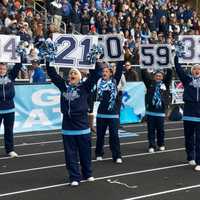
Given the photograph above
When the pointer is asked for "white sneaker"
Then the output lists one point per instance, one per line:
(99, 158)
(192, 162)
(74, 183)
(151, 150)
(162, 148)
(13, 154)
(197, 168)
(90, 179)
(119, 161)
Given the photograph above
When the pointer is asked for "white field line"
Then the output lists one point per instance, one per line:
(96, 179)
(145, 125)
(59, 132)
(60, 141)
(94, 137)
(93, 147)
(62, 165)
(164, 192)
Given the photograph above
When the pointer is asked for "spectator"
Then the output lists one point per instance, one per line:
(76, 18)
(24, 36)
(85, 21)
(57, 12)
(67, 11)
(38, 74)
(130, 74)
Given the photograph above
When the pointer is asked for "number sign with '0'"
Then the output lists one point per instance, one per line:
(192, 48)
(155, 56)
(8, 45)
(112, 46)
(73, 50)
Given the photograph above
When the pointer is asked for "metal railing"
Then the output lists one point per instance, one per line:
(35, 5)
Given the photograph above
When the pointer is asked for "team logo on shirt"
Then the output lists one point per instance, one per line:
(195, 82)
(71, 95)
(4, 80)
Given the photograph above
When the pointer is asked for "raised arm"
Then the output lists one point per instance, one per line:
(119, 70)
(146, 77)
(55, 78)
(14, 71)
(184, 77)
(93, 77)
(168, 77)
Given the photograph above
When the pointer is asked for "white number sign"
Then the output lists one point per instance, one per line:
(192, 49)
(155, 56)
(112, 46)
(73, 50)
(8, 45)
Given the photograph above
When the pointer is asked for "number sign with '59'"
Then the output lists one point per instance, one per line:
(155, 56)
(73, 49)
(8, 46)
(192, 49)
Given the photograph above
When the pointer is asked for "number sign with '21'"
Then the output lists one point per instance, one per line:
(192, 48)
(73, 49)
(155, 56)
(8, 45)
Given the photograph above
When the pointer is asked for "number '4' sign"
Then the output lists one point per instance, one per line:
(8, 44)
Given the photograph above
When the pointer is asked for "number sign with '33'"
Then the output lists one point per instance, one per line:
(73, 49)
(8, 46)
(155, 56)
(192, 48)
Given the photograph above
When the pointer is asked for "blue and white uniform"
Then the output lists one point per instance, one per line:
(191, 113)
(7, 106)
(75, 129)
(156, 99)
(107, 114)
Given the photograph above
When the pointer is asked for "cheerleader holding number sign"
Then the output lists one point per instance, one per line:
(191, 113)
(7, 106)
(156, 103)
(107, 113)
(75, 129)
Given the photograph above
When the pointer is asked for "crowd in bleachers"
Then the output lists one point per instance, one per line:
(140, 21)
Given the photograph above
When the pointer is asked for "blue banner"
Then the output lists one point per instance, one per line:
(38, 107)
(133, 103)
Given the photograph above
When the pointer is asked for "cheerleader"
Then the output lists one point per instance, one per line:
(191, 112)
(7, 106)
(75, 130)
(107, 113)
(156, 100)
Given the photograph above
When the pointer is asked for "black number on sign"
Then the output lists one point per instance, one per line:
(190, 53)
(147, 54)
(86, 45)
(72, 45)
(10, 47)
(113, 47)
(163, 52)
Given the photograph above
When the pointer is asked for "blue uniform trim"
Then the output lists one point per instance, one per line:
(155, 114)
(7, 111)
(107, 116)
(189, 118)
(76, 132)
